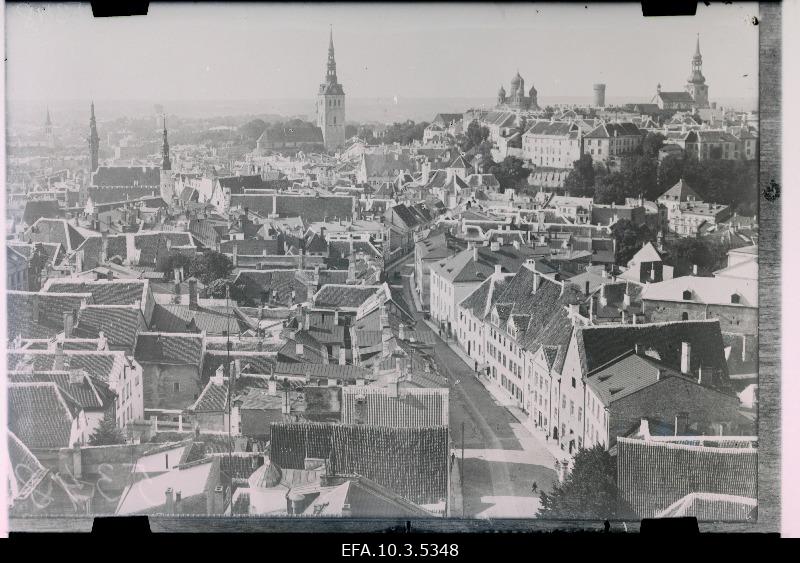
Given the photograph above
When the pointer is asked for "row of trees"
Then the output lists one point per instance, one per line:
(728, 182)
(683, 253)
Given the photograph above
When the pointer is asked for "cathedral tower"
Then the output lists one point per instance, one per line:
(94, 144)
(696, 83)
(48, 131)
(330, 105)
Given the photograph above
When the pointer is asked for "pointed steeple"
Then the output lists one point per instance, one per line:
(47, 121)
(94, 143)
(166, 164)
(330, 75)
(697, 48)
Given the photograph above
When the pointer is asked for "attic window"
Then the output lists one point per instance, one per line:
(687, 295)
(735, 298)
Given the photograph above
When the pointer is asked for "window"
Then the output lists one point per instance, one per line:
(735, 298)
(571, 408)
(687, 295)
(176, 387)
(573, 382)
(684, 316)
(580, 413)
(563, 401)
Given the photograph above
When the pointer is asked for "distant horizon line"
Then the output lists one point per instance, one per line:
(387, 97)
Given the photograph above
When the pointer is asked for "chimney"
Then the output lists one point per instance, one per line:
(694, 270)
(591, 310)
(686, 357)
(306, 320)
(603, 295)
(272, 387)
(68, 324)
(59, 360)
(626, 300)
(402, 331)
(219, 500)
(516, 245)
(394, 386)
(192, 294)
(495, 246)
(177, 502)
(298, 348)
(235, 258)
(169, 501)
(475, 253)
(103, 247)
(497, 270)
(700, 376)
(681, 423)
(586, 289)
(536, 281)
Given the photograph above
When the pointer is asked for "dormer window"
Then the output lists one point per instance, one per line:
(735, 298)
(687, 295)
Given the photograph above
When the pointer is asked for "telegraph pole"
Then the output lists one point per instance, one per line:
(462, 469)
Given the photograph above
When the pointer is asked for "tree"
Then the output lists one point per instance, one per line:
(589, 492)
(651, 144)
(252, 130)
(107, 434)
(238, 292)
(629, 239)
(670, 170)
(684, 253)
(610, 188)
(210, 266)
(640, 177)
(350, 131)
(404, 133)
(580, 180)
(474, 136)
(171, 262)
(511, 173)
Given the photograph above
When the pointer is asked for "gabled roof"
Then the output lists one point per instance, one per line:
(120, 324)
(127, 176)
(41, 414)
(681, 191)
(711, 291)
(169, 348)
(599, 344)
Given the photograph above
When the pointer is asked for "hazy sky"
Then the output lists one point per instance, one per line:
(251, 51)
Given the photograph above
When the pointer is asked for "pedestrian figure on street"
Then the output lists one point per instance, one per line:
(534, 487)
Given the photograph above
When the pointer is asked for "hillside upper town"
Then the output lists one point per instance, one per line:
(475, 316)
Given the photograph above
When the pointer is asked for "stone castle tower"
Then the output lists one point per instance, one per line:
(330, 105)
(94, 144)
(167, 182)
(696, 83)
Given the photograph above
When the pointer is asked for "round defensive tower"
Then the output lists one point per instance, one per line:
(599, 95)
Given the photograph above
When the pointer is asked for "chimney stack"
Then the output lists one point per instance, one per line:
(497, 270)
(298, 348)
(586, 289)
(536, 281)
(192, 294)
(272, 387)
(235, 258)
(686, 357)
(169, 501)
(694, 270)
(177, 502)
(68, 324)
(475, 253)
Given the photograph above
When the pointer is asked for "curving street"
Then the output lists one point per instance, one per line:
(502, 459)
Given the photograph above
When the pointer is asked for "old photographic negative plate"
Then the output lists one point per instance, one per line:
(326, 267)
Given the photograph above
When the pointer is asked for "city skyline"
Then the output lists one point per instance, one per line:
(169, 42)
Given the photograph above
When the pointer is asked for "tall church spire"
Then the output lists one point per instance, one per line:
(330, 76)
(94, 143)
(47, 121)
(165, 162)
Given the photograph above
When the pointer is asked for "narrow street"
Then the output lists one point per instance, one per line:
(502, 459)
